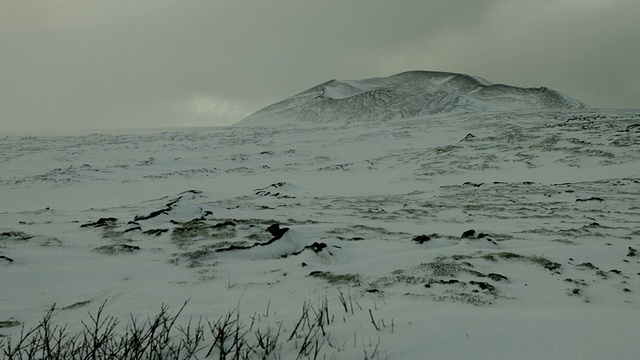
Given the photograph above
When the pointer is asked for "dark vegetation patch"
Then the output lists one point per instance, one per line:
(508, 255)
(115, 249)
(275, 230)
(441, 268)
(14, 235)
(165, 336)
(545, 263)
(331, 278)
(464, 298)
(76, 305)
(9, 323)
(494, 257)
(190, 230)
(194, 258)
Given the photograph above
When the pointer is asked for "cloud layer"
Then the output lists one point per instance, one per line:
(151, 63)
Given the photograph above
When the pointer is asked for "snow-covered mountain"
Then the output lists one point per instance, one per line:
(406, 95)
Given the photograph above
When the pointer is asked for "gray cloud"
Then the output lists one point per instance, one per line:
(152, 63)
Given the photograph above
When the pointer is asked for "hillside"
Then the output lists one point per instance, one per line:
(405, 95)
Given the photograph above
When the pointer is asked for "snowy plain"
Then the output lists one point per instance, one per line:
(377, 212)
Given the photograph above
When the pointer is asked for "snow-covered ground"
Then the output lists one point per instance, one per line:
(378, 216)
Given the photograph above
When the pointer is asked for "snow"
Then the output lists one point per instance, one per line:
(554, 191)
(405, 95)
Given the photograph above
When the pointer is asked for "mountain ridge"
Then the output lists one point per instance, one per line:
(405, 95)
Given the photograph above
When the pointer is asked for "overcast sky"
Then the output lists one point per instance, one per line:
(79, 64)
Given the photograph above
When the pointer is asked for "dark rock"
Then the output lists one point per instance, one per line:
(632, 252)
(152, 214)
(468, 233)
(421, 239)
(224, 224)
(449, 282)
(590, 199)
(587, 265)
(616, 271)
(630, 127)
(469, 137)
(276, 231)
(491, 241)
(316, 247)
(110, 221)
(129, 247)
(195, 192)
(626, 290)
(6, 258)
(303, 264)
(16, 235)
(575, 291)
(497, 277)
(133, 229)
(168, 207)
(473, 184)
(156, 232)
(475, 273)
(373, 291)
(484, 286)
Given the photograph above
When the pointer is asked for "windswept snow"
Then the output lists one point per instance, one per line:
(267, 219)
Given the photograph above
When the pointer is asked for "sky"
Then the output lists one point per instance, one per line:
(100, 64)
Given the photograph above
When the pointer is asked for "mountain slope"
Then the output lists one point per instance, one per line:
(405, 95)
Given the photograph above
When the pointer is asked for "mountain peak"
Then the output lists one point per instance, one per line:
(406, 95)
